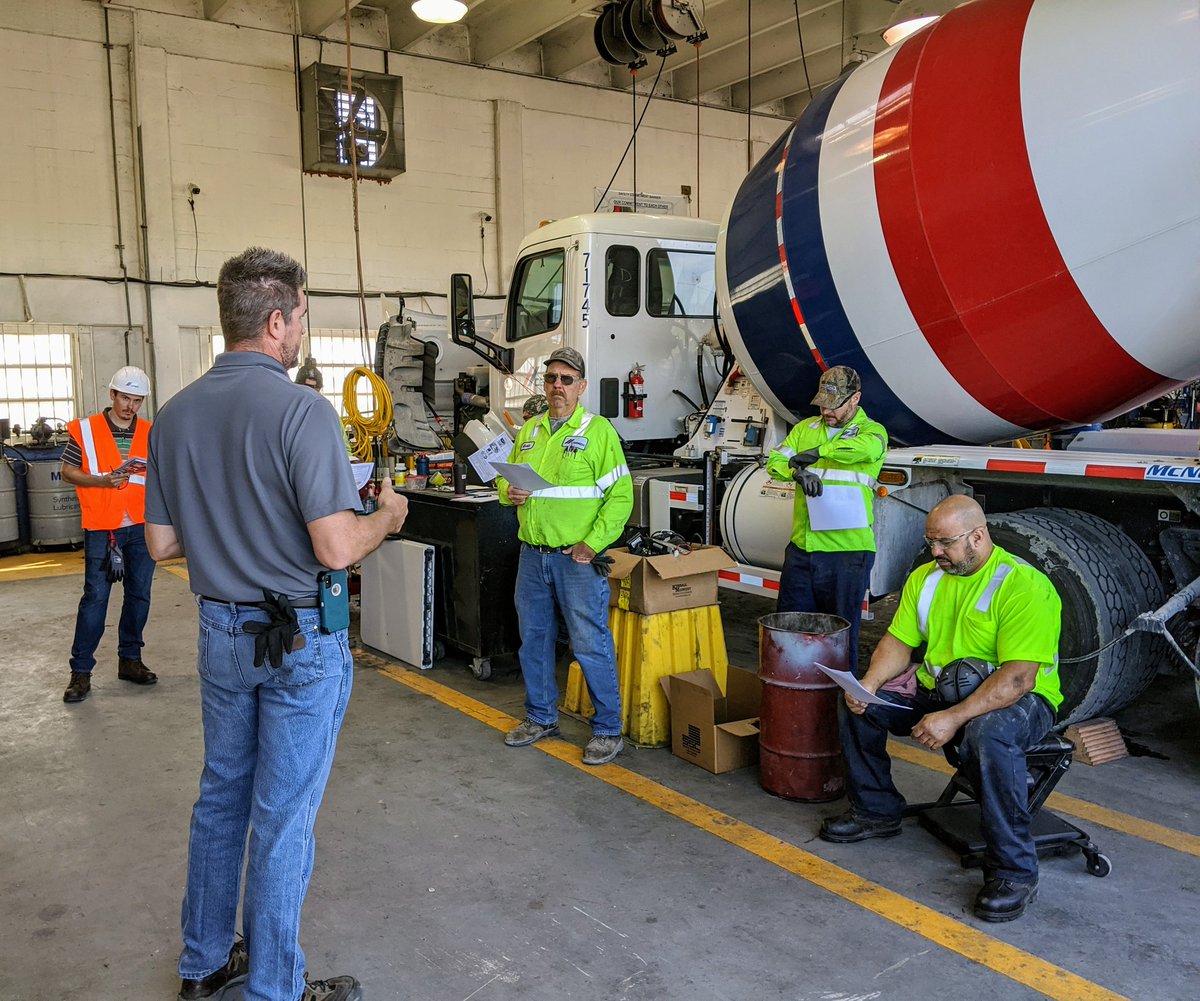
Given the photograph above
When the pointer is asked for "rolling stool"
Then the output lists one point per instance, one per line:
(957, 824)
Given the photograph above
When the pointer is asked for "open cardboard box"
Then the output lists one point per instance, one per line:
(717, 732)
(651, 584)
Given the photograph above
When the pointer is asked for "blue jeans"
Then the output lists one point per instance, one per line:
(93, 606)
(832, 583)
(269, 737)
(992, 756)
(545, 580)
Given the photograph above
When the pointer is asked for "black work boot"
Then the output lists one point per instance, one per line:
(78, 687)
(854, 826)
(134, 670)
(216, 984)
(1004, 900)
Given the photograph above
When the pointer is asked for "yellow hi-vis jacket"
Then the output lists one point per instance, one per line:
(592, 493)
(848, 464)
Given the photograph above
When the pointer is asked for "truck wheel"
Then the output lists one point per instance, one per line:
(1095, 609)
(1144, 652)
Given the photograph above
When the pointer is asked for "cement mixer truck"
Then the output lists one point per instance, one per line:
(997, 223)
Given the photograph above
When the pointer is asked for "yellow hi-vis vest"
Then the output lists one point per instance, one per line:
(591, 496)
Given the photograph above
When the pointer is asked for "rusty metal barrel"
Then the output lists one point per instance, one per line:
(800, 754)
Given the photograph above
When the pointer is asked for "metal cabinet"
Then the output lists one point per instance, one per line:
(475, 571)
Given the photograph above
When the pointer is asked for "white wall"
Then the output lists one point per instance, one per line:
(214, 104)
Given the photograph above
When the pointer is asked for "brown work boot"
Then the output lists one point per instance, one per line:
(135, 671)
(78, 687)
(216, 984)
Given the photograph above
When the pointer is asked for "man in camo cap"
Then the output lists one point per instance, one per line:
(833, 459)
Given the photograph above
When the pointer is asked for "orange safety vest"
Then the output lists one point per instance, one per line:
(103, 508)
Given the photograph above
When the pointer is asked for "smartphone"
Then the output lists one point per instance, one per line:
(333, 600)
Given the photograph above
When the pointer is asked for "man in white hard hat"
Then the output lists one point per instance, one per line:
(105, 461)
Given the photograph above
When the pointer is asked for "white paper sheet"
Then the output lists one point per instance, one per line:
(519, 474)
(362, 473)
(496, 450)
(851, 684)
(839, 506)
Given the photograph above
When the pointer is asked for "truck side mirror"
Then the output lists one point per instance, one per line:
(462, 326)
(462, 307)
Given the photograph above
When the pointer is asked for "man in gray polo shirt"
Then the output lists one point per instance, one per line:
(248, 477)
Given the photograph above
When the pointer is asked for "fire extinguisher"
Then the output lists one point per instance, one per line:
(635, 393)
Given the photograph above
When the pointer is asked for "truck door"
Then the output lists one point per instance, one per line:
(534, 324)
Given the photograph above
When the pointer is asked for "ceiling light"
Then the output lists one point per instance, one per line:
(912, 15)
(439, 11)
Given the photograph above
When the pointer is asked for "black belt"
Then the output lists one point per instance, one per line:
(308, 602)
(546, 549)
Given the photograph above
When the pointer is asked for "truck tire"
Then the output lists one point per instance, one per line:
(1095, 610)
(1136, 660)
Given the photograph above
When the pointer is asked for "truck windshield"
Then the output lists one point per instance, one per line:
(680, 282)
(536, 305)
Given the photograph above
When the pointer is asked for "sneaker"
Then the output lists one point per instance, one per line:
(529, 732)
(78, 687)
(601, 750)
(854, 826)
(333, 989)
(216, 984)
(135, 671)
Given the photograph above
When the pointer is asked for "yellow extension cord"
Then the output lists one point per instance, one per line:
(365, 427)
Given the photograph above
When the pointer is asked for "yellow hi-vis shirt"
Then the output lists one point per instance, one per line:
(850, 460)
(592, 495)
(1006, 610)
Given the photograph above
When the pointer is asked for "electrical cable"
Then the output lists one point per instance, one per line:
(634, 119)
(353, 114)
(620, 163)
(698, 129)
(196, 241)
(483, 257)
(803, 57)
(365, 427)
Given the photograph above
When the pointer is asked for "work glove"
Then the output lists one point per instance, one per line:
(114, 560)
(804, 459)
(603, 564)
(274, 637)
(809, 482)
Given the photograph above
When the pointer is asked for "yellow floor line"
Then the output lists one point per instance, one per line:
(178, 569)
(1000, 957)
(34, 566)
(1114, 820)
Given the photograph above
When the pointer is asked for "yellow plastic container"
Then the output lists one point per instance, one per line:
(651, 647)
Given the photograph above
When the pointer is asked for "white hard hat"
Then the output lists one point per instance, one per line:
(131, 380)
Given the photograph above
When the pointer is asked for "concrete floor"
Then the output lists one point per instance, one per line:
(452, 868)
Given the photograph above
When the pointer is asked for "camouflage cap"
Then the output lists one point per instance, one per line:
(837, 385)
(568, 356)
(536, 404)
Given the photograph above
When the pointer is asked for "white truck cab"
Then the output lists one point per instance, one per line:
(632, 293)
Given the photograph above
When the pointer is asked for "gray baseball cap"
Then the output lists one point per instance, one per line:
(568, 356)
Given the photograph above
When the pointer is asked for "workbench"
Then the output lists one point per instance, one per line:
(475, 570)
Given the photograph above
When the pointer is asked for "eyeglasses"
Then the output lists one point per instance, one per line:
(947, 543)
(552, 377)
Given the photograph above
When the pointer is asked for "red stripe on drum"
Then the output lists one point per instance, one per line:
(967, 234)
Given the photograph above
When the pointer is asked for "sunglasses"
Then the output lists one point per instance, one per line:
(552, 377)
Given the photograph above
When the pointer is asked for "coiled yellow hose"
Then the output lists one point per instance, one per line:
(365, 427)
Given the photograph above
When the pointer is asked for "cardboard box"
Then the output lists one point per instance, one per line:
(717, 732)
(652, 584)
